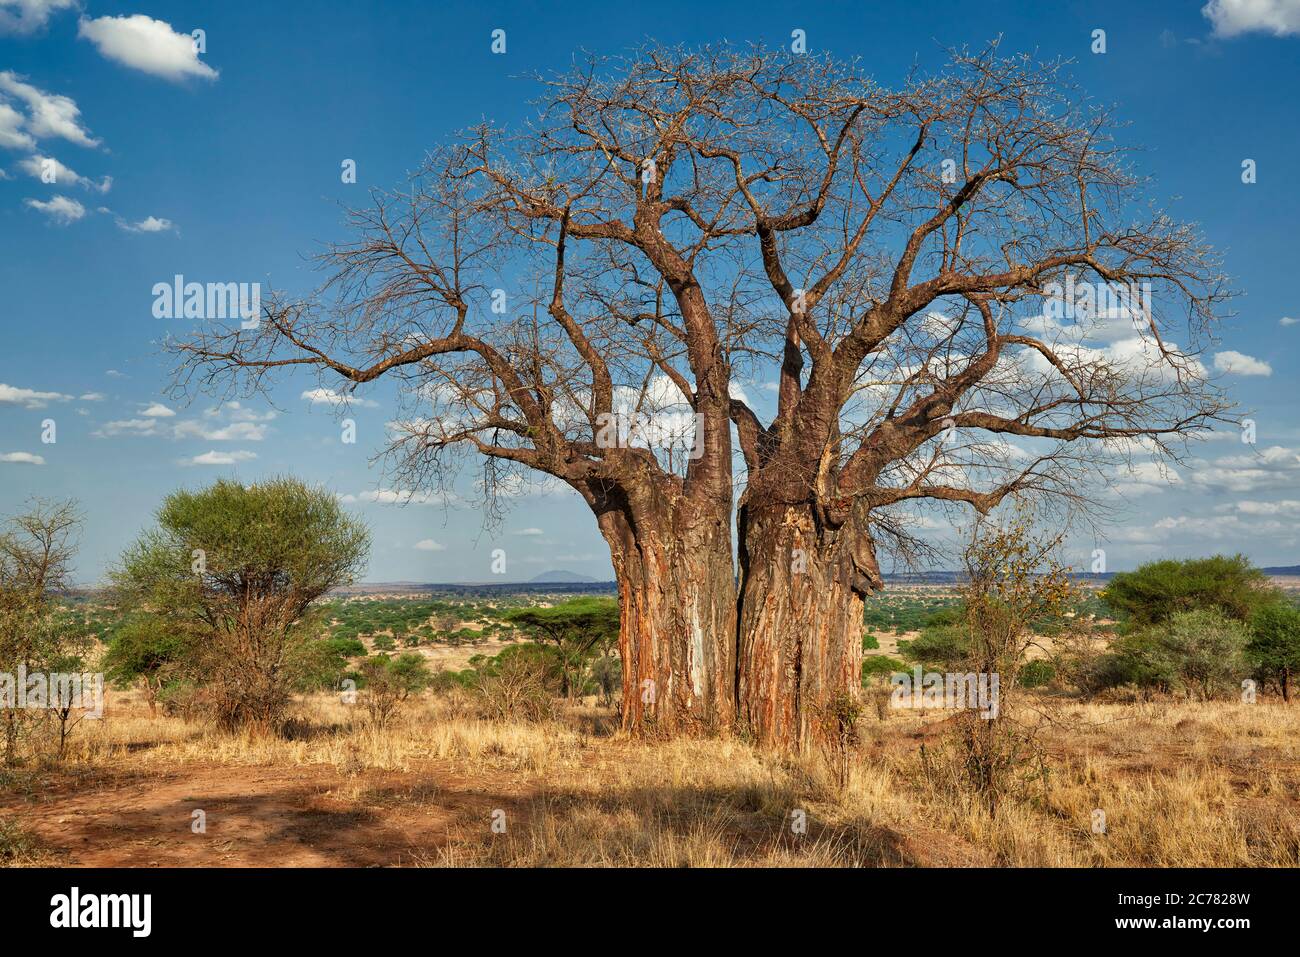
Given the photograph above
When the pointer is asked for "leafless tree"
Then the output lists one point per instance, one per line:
(36, 552)
(680, 227)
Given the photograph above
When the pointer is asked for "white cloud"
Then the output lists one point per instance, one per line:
(92, 397)
(41, 167)
(236, 412)
(48, 114)
(399, 496)
(1145, 478)
(146, 44)
(150, 224)
(234, 432)
(60, 209)
(429, 545)
(29, 398)
(22, 457)
(114, 374)
(28, 16)
(1233, 17)
(1286, 507)
(127, 427)
(527, 485)
(219, 458)
(1273, 467)
(330, 397)
(1238, 363)
(1287, 321)
(530, 532)
(11, 133)
(242, 425)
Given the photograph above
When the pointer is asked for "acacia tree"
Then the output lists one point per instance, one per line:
(234, 570)
(577, 630)
(677, 226)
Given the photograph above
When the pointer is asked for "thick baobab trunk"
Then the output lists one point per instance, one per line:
(800, 623)
(677, 596)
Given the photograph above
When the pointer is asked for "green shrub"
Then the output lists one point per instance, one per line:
(873, 665)
(1035, 674)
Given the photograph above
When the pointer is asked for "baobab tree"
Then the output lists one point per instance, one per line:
(919, 275)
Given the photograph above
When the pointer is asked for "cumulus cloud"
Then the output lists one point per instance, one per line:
(28, 16)
(127, 427)
(48, 114)
(29, 398)
(26, 457)
(240, 424)
(48, 169)
(1273, 467)
(150, 224)
(220, 458)
(234, 432)
(330, 397)
(429, 545)
(146, 44)
(11, 130)
(60, 209)
(236, 412)
(1145, 478)
(1285, 507)
(1234, 17)
(399, 496)
(1287, 321)
(529, 485)
(1238, 363)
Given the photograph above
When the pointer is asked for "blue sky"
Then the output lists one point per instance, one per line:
(226, 166)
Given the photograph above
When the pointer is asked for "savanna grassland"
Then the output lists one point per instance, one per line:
(449, 781)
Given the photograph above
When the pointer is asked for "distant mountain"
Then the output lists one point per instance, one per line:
(1282, 570)
(554, 577)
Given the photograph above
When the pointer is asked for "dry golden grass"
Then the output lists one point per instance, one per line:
(1180, 784)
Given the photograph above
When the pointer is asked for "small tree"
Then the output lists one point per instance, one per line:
(36, 551)
(1013, 585)
(1201, 651)
(1274, 646)
(389, 682)
(150, 652)
(239, 567)
(578, 631)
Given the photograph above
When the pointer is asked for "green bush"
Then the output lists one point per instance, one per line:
(873, 665)
(1035, 674)
(943, 646)
(1196, 652)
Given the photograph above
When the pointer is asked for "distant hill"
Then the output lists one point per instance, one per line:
(1293, 570)
(557, 576)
